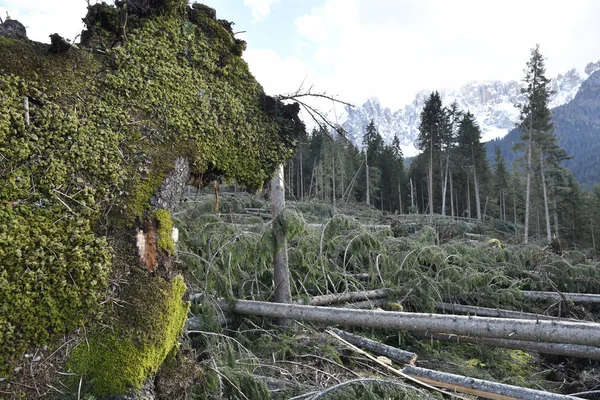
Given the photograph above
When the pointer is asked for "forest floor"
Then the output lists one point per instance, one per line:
(421, 261)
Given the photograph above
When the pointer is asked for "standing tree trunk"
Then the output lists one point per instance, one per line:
(468, 198)
(367, 172)
(446, 185)
(281, 272)
(544, 191)
(333, 174)
(451, 197)
(476, 182)
(430, 186)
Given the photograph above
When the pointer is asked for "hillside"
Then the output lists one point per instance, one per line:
(577, 126)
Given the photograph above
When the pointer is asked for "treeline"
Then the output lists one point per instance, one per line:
(453, 177)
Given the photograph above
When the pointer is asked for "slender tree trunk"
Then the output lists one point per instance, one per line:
(468, 198)
(367, 171)
(333, 175)
(281, 270)
(412, 195)
(555, 211)
(301, 176)
(430, 186)
(399, 197)
(446, 185)
(546, 209)
(451, 198)
(476, 182)
(593, 237)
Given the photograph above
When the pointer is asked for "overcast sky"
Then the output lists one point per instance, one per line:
(385, 48)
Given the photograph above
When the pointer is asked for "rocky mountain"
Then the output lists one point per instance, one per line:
(492, 103)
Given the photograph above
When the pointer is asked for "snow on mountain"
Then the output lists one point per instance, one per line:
(492, 103)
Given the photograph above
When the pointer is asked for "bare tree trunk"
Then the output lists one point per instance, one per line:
(478, 387)
(546, 209)
(492, 312)
(593, 237)
(399, 196)
(468, 198)
(412, 195)
(476, 182)
(301, 176)
(555, 211)
(430, 186)
(446, 185)
(281, 272)
(451, 198)
(312, 175)
(333, 175)
(514, 329)
(554, 296)
(394, 354)
(367, 170)
(350, 296)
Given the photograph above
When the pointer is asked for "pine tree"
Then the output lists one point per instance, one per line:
(536, 121)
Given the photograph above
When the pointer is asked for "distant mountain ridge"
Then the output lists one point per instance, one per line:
(577, 127)
(492, 103)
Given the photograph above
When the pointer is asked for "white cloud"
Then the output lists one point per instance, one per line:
(43, 18)
(392, 49)
(260, 8)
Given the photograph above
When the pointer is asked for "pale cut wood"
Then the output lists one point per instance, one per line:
(350, 296)
(558, 349)
(494, 312)
(479, 387)
(554, 296)
(394, 354)
(515, 329)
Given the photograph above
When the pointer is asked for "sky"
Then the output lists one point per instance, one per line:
(389, 49)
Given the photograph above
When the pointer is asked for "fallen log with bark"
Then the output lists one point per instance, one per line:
(558, 349)
(582, 333)
(345, 297)
(494, 312)
(555, 296)
(394, 354)
(479, 387)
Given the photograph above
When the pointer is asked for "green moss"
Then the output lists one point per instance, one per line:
(116, 362)
(165, 228)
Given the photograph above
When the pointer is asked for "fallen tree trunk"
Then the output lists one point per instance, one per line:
(341, 297)
(516, 329)
(394, 354)
(478, 387)
(554, 296)
(494, 312)
(558, 349)
(367, 304)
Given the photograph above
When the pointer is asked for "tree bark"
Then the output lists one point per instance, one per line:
(367, 173)
(476, 182)
(546, 209)
(558, 349)
(430, 186)
(478, 387)
(451, 197)
(394, 354)
(342, 297)
(494, 312)
(553, 296)
(544, 331)
(281, 270)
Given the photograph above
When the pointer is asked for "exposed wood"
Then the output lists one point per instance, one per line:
(350, 296)
(554, 296)
(494, 312)
(515, 329)
(281, 271)
(26, 106)
(394, 354)
(367, 304)
(558, 349)
(478, 387)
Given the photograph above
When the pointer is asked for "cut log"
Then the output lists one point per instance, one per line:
(494, 312)
(394, 354)
(554, 296)
(559, 349)
(479, 387)
(351, 296)
(515, 329)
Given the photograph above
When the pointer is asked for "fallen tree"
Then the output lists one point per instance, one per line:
(555, 296)
(559, 349)
(494, 312)
(478, 387)
(341, 297)
(394, 354)
(515, 329)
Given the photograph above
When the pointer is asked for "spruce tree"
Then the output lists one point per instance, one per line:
(536, 121)
(431, 132)
(473, 152)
